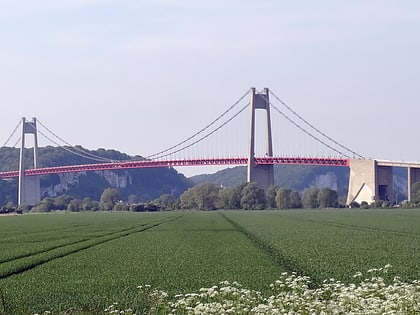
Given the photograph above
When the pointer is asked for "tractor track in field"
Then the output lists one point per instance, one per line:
(48, 255)
(359, 227)
(284, 262)
(53, 247)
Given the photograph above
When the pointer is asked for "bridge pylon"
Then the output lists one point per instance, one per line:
(29, 186)
(263, 174)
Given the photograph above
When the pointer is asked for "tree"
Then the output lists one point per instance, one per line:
(295, 200)
(415, 193)
(165, 202)
(223, 202)
(46, 205)
(109, 198)
(327, 198)
(88, 204)
(283, 198)
(230, 198)
(62, 202)
(203, 196)
(310, 198)
(253, 197)
(270, 196)
(235, 196)
(188, 200)
(74, 205)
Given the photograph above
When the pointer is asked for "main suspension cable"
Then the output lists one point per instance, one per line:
(77, 151)
(205, 136)
(13, 133)
(307, 132)
(158, 154)
(16, 143)
(72, 151)
(315, 128)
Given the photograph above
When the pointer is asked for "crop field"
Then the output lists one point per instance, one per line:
(83, 262)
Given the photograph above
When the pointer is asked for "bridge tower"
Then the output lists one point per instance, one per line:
(261, 174)
(29, 186)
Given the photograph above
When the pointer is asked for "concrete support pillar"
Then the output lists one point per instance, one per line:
(261, 174)
(413, 177)
(369, 182)
(362, 181)
(29, 186)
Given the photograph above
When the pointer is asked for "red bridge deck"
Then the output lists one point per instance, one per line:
(173, 163)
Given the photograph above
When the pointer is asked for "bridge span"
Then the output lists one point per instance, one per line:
(369, 180)
(175, 163)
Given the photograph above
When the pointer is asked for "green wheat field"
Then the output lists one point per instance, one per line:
(81, 263)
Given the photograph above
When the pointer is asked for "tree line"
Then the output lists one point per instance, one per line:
(205, 196)
(208, 196)
(250, 196)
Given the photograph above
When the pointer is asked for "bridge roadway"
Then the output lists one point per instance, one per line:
(398, 164)
(173, 163)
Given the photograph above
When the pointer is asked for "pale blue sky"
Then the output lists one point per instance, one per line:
(139, 76)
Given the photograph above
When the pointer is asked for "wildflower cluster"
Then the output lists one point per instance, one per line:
(292, 294)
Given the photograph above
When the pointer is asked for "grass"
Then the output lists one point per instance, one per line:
(82, 263)
(338, 243)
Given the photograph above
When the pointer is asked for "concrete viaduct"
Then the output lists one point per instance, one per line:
(372, 180)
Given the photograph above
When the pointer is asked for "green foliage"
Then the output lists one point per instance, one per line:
(270, 196)
(166, 202)
(310, 198)
(415, 191)
(46, 205)
(295, 200)
(327, 198)
(88, 204)
(295, 177)
(144, 207)
(253, 197)
(203, 196)
(74, 205)
(235, 196)
(109, 198)
(230, 198)
(8, 191)
(223, 202)
(62, 202)
(283, 198)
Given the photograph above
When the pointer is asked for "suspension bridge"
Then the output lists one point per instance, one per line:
(267, 144)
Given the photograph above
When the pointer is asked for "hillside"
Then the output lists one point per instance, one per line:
(146, 184)
(300, 177)
(297, 177)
